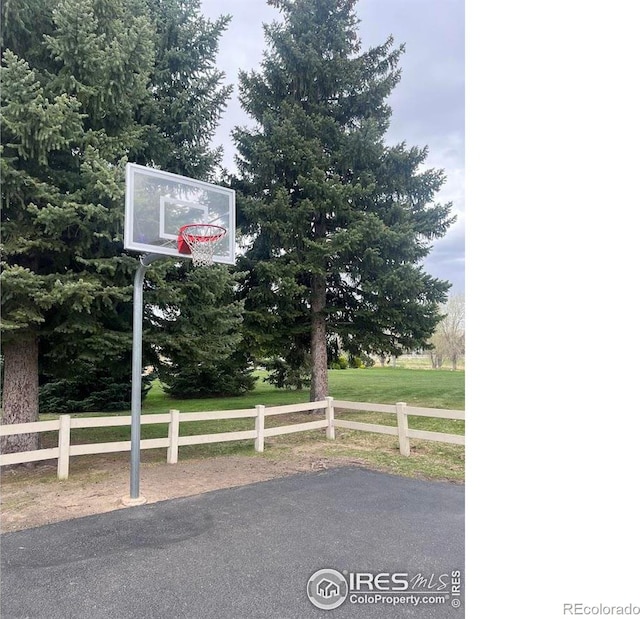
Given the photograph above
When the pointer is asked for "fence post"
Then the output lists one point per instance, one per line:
(64, 443)
(331, 429)
(259, 442)
(403, 428)
(174, 433)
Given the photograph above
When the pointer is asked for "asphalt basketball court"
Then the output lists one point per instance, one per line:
(249, 552)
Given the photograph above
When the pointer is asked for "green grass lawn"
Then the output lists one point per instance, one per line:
(428, 388)
(433, 388)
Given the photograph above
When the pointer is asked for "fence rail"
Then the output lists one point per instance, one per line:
(174, 419)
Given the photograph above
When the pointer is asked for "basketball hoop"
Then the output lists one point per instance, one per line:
(200, 241)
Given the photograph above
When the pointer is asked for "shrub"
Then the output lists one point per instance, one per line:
(284, 376)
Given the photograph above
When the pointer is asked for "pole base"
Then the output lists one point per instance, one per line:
(127, 501)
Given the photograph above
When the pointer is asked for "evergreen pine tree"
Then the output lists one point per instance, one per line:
(66, 133)
(180, 121)
(88, 85)
(188, 94)
(198, 335)
(341, 220)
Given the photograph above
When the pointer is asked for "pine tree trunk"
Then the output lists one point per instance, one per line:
(20, 391)
(319, 374)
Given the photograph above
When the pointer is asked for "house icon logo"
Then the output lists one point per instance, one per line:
(327, 589)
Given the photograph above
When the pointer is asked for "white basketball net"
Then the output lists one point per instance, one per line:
(202, 240)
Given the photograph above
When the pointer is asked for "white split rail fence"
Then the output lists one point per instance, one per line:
(175, 419)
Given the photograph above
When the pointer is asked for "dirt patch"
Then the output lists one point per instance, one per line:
(34, 497)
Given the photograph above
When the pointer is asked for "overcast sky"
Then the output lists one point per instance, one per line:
(428, 104)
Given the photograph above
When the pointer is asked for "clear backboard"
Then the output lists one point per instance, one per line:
(158, 204)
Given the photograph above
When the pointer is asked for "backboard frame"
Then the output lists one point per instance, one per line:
(167, 242)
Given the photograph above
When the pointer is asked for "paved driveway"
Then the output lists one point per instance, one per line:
(247, 552)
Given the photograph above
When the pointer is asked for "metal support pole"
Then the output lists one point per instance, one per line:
(136, 380)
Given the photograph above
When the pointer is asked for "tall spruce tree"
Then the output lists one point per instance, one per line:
(199, 333)
(72, 71)
(340, 219)
(196, 325)
(188, 95)
(176, 122)
(87, 86)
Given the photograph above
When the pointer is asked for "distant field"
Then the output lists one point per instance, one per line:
(423, 362)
